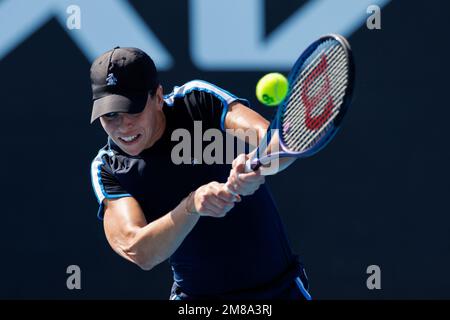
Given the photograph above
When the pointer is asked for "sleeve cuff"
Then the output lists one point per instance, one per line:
(225, 110)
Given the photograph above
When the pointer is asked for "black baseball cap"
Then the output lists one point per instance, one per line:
(121, 80)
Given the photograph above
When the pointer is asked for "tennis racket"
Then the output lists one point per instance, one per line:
(320, 90)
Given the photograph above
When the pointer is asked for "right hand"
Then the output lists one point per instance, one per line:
(214, 200)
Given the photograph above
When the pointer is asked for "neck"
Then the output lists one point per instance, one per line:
(160, 128)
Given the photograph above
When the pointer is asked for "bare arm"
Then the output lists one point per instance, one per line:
(145, 244)
(242, 117)
(148, 244)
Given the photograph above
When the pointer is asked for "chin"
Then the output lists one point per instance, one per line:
(133, 152)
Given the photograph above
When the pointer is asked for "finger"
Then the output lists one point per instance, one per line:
(227, 193)
(214, 185)
(218, 213)
(211, 209)
(221, 203)
(230, 182)
(235, 184)
(238, 182)
(235, 190)
(221, 188)
(239, 168)
(239, 163)
(240, 159)
(237, 178)
(250, 176)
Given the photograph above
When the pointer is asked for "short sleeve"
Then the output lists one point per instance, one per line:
(207, 102)
(104, 184)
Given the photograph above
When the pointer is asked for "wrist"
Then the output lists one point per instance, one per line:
(189, 205)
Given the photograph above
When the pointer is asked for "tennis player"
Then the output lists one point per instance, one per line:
(220, 245)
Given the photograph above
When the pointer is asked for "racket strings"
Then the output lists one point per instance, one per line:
(307, 73)
(313, 69)
(302, 139)
(314, 135)
(334, 74)
(299, 137)
(295, 98)
(323, 80)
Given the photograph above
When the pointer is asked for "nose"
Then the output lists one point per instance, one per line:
(126, 122)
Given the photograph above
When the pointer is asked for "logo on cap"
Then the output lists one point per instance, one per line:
(111, 80)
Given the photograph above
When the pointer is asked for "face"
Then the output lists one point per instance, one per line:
(135, 132)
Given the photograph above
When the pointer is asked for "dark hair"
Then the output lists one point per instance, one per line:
(152, 91)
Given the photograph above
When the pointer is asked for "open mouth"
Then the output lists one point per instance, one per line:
(130, 139)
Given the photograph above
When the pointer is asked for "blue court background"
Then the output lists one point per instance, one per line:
(378, 194)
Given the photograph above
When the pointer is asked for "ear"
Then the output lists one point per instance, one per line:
(159, 96)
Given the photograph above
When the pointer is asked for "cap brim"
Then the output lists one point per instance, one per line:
(118, 103)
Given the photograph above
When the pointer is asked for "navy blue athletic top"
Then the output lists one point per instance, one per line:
(246, 249)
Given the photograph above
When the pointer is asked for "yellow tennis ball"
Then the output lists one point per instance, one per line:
(272, 89)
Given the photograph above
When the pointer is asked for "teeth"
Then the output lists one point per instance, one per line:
(128, 139)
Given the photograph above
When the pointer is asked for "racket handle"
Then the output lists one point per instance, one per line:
(251, 166)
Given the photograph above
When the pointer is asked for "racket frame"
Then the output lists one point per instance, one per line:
(254, 163)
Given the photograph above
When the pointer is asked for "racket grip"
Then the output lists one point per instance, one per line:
(251, 166)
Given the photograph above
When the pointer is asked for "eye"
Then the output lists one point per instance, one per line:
(111, 115)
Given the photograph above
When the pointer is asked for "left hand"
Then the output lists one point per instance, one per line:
(243, 183)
